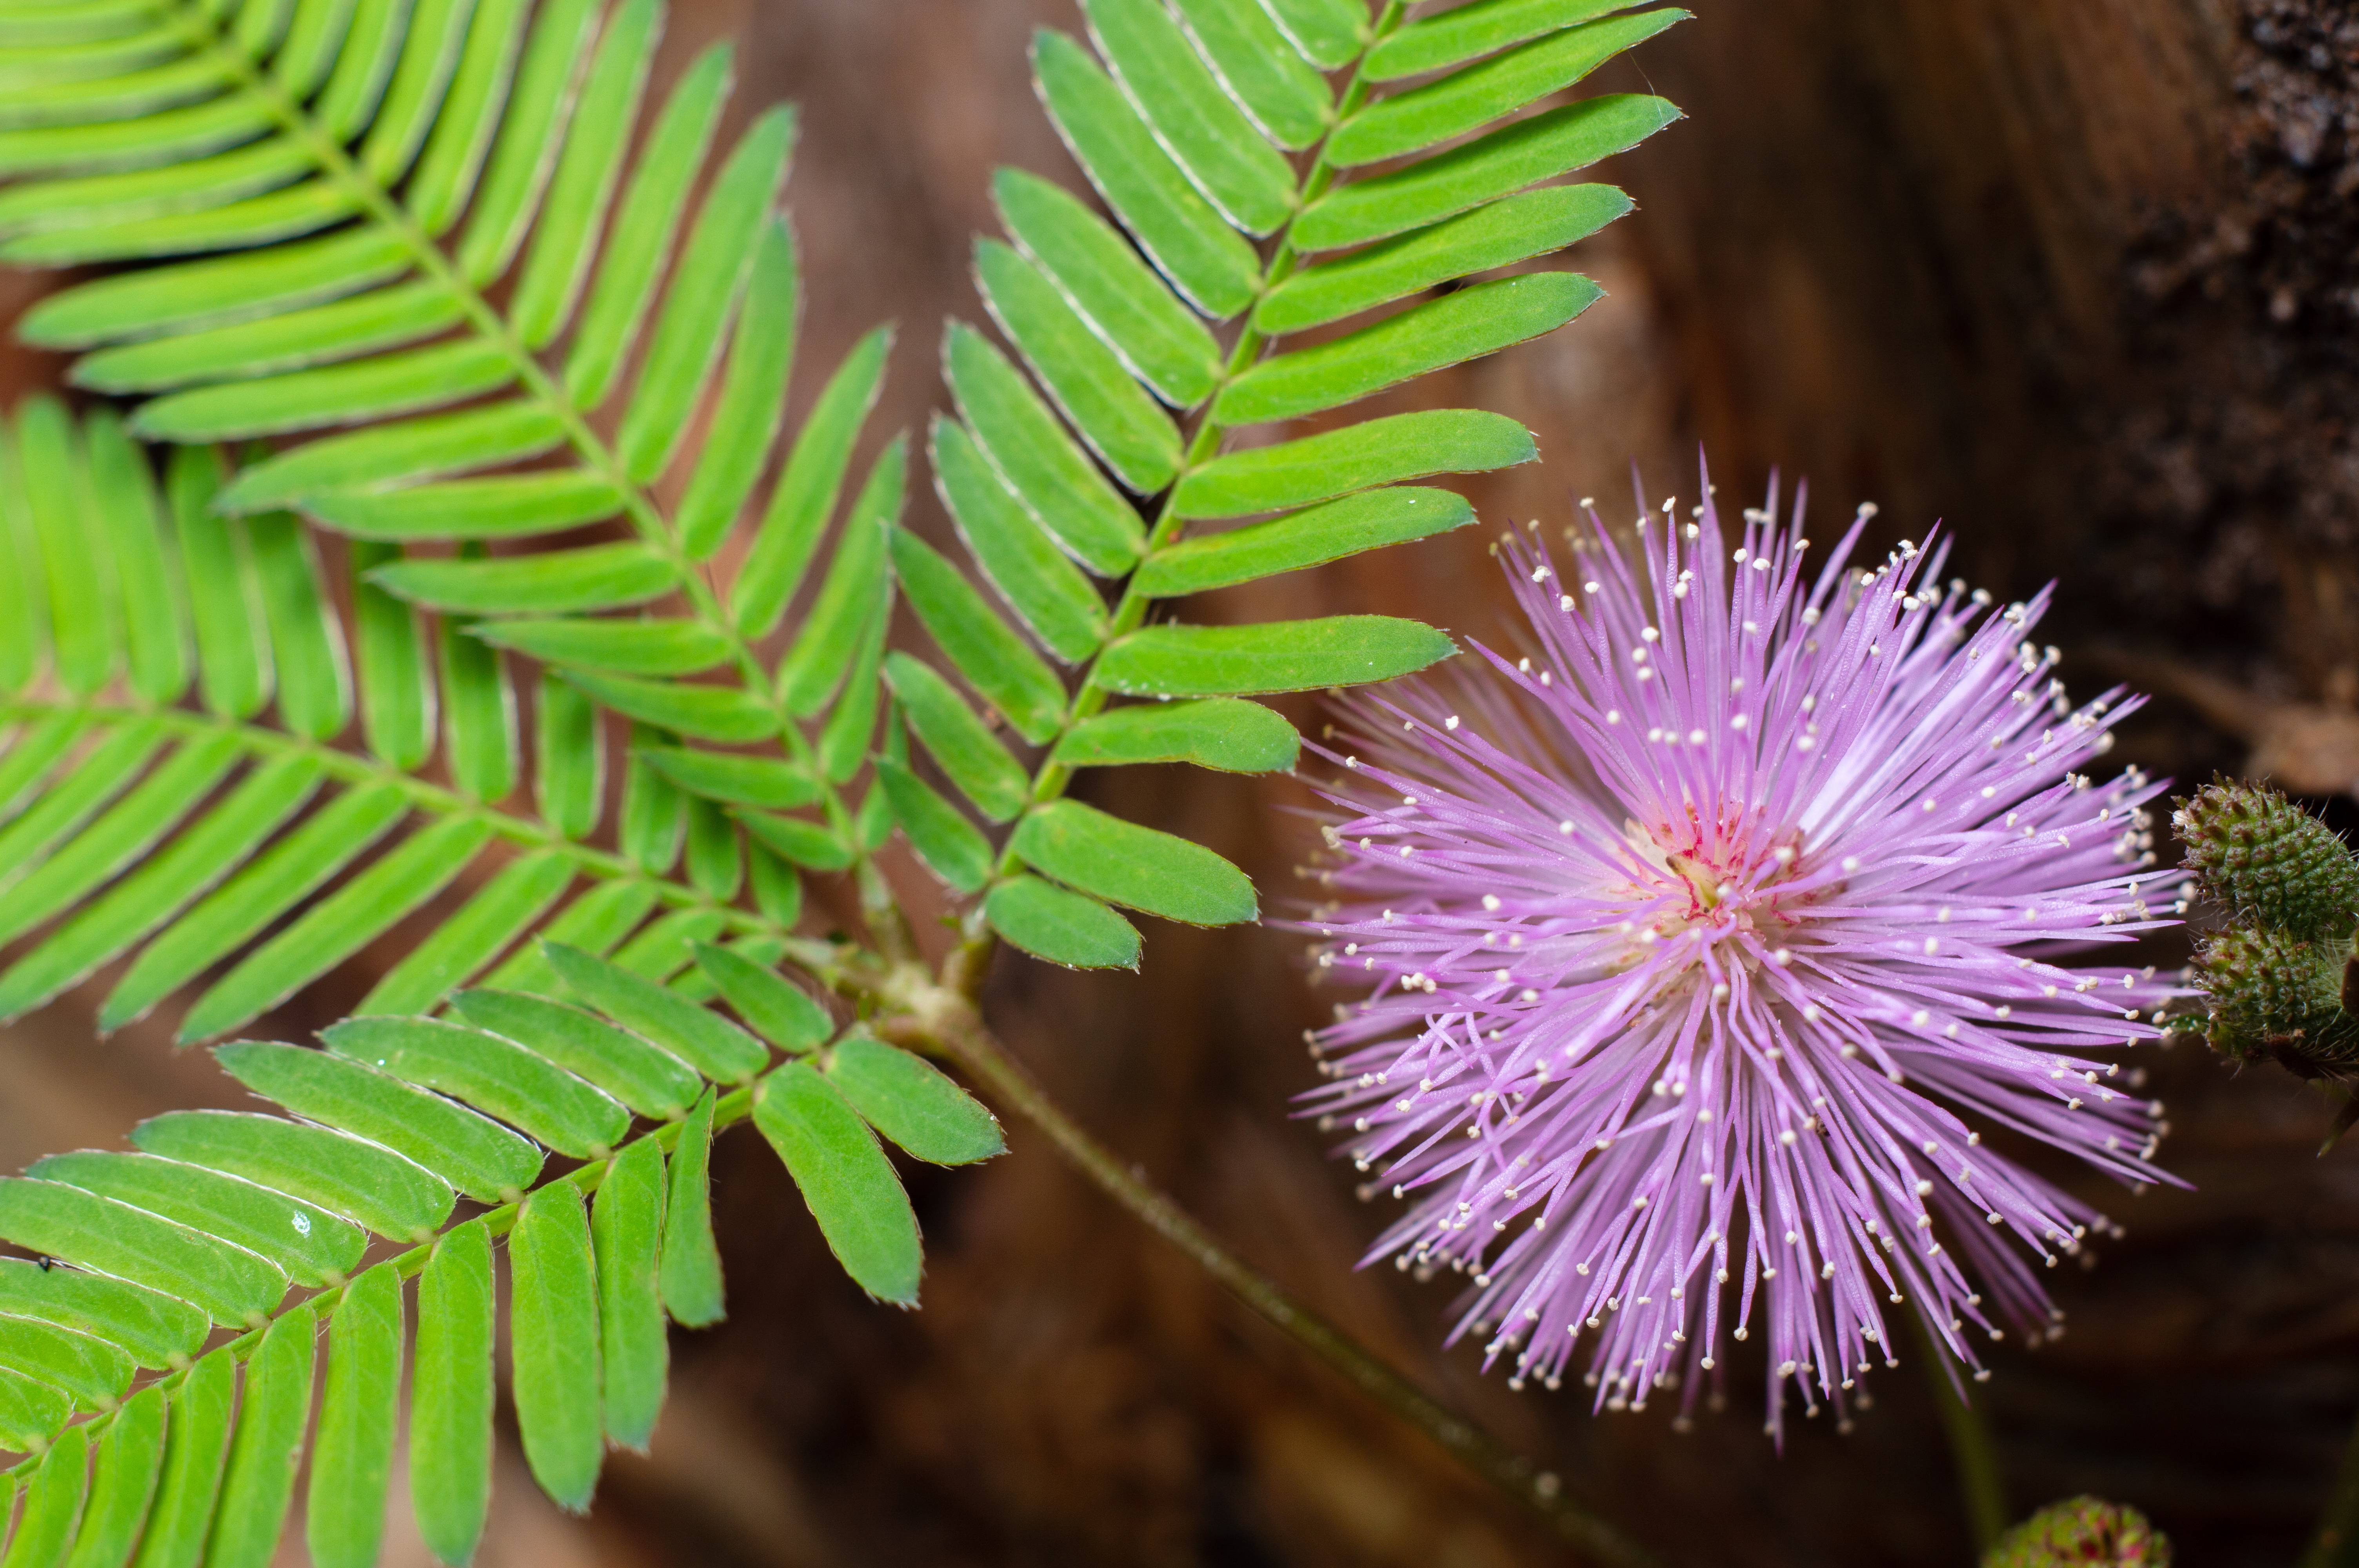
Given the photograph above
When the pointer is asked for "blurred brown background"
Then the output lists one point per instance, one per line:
(2079, 279)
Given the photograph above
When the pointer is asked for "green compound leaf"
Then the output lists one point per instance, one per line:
(846, 1180)
(1061, 926)
(1183, 116)
(1124, 863)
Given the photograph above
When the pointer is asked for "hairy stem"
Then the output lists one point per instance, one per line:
(1981, 1486)
(941, 1019)
(2335, 1542)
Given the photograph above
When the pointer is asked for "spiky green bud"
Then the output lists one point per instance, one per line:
(2081, 1532)
(2275, 995)
(2272, 863)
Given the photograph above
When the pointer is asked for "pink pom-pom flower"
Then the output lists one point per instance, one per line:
(1705, 944)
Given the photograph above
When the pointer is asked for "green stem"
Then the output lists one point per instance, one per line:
(2335, 1542)
(1980, 1484)
(940, 1019)
(1203, 445)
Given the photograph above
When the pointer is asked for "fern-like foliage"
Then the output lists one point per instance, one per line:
(371, 172)
(1281, 255)
(255, 1233)
(133, 821)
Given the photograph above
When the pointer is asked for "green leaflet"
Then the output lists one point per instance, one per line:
(791, 526)
(626, 1226)
(690, 1272)
(569, 758)
(1223, 153)
(1159, 341)
(1327, 32)
(1280, 656)
(1216, 733)
(31, 1413)
(554, 1328)
(961, 744)
(1494, 165)
(196, 1444)
(131, 1464)
(53, 1501)
(509, 506)
(778, 1012)
(352, 1461)
(451, 1401)
(1281, 91)
(467, 941)
(845, 1178)
(1450, 38)
(911, 1102)
(550, 582)
(1124, 863)
(852, 596)
(752, 403)
(733, 777)
(1513, 229)
(259, 1484)
(641, 647)
(93, 1372)
(1058, 482)
(1062, 927)
(1088, 383)
(986, 650)
(479, 715)
(644, 1076)
(708, 712)
(1357, 523)
(712, 1046)
(521, 1087)
(312, 1245)
(155, 1330)
(801, 843)
(1358, 457)
(396, 674)
(432, 446)
(477, 1156)
(373, 1186)
(234, 1287)
(949, 844)
(1474, 321)
(1188, 241)
(1413, 121)
(1048, 590)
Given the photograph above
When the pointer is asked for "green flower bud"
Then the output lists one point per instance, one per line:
(2082, 1532)
(2275, 995)
(2272, 863)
